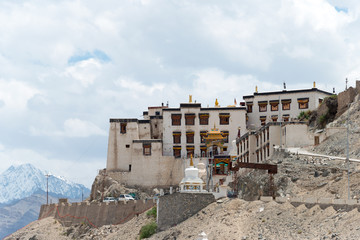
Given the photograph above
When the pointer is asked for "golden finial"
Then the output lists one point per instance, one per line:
(190, 98)
(191, 161)
(314, 85)
(216, 103)
(256, 89)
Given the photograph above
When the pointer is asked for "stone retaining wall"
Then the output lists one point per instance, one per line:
(345, 204)
(176, 208)
(95, 214)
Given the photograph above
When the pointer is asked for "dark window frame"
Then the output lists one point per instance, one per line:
(190, 137)
(190, 119)
(123, 128)
(224, 119)
(176, 137)
(147, 149)
(176, 119)
(175, 151)
(204, 119)
(262, 107)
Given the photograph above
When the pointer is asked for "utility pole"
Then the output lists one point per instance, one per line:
(47, 188)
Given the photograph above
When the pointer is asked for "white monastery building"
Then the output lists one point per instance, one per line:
(281, 105)
(154, 151)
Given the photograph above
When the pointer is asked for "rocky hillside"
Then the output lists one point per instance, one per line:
(105, 186)
(229, 219)
(336, 144)
(21, 212)
(302, 176)
(240, 219)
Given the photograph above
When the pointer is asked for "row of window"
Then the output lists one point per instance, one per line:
(190, 136)
(224, 119)
(263, 136)
(262, 152)
(274, 118)
(241, 145)
(303, 103)
(190, 150)
(244, 158)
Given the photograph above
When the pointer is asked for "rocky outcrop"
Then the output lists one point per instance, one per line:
(325, 113)
(105, 186)
(344, 98)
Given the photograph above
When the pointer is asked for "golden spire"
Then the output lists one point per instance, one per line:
(191, 161)
(216, 103)
(256, 89)
(190, 98)
(314, 85)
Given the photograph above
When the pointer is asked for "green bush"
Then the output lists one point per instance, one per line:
(304, 115)
(151, 212)
(148, 230)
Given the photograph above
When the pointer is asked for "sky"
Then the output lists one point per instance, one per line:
(67, 66)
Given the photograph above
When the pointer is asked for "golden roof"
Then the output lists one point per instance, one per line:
(214, 134)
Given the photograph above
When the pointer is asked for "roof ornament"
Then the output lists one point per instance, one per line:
(284, 86)
(314, 85)
(256, 89)
(217, 103)
(190, 98)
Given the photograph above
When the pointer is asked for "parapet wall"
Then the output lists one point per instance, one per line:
(176, 208)
(95, 214)
(345, 204)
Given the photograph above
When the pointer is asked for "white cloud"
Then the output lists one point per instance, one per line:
(16, 94)
(73, 127)
(318, 14)
(137, 88)
(80, 128)
(214, 83)
(299, 52)
(85, 71)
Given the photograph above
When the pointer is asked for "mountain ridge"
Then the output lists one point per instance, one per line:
(18, 182)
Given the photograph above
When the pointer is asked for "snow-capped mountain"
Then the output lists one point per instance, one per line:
(24, 180)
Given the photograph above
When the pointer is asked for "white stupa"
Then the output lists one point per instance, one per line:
(191, 182)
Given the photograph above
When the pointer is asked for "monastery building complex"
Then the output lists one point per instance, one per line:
(154, 151)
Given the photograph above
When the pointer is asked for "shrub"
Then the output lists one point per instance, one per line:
(304, 115)
(148, 230)
(151, 212)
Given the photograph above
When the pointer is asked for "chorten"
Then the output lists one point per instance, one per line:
(191, 182)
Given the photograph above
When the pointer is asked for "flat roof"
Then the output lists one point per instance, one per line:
(286, 92)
